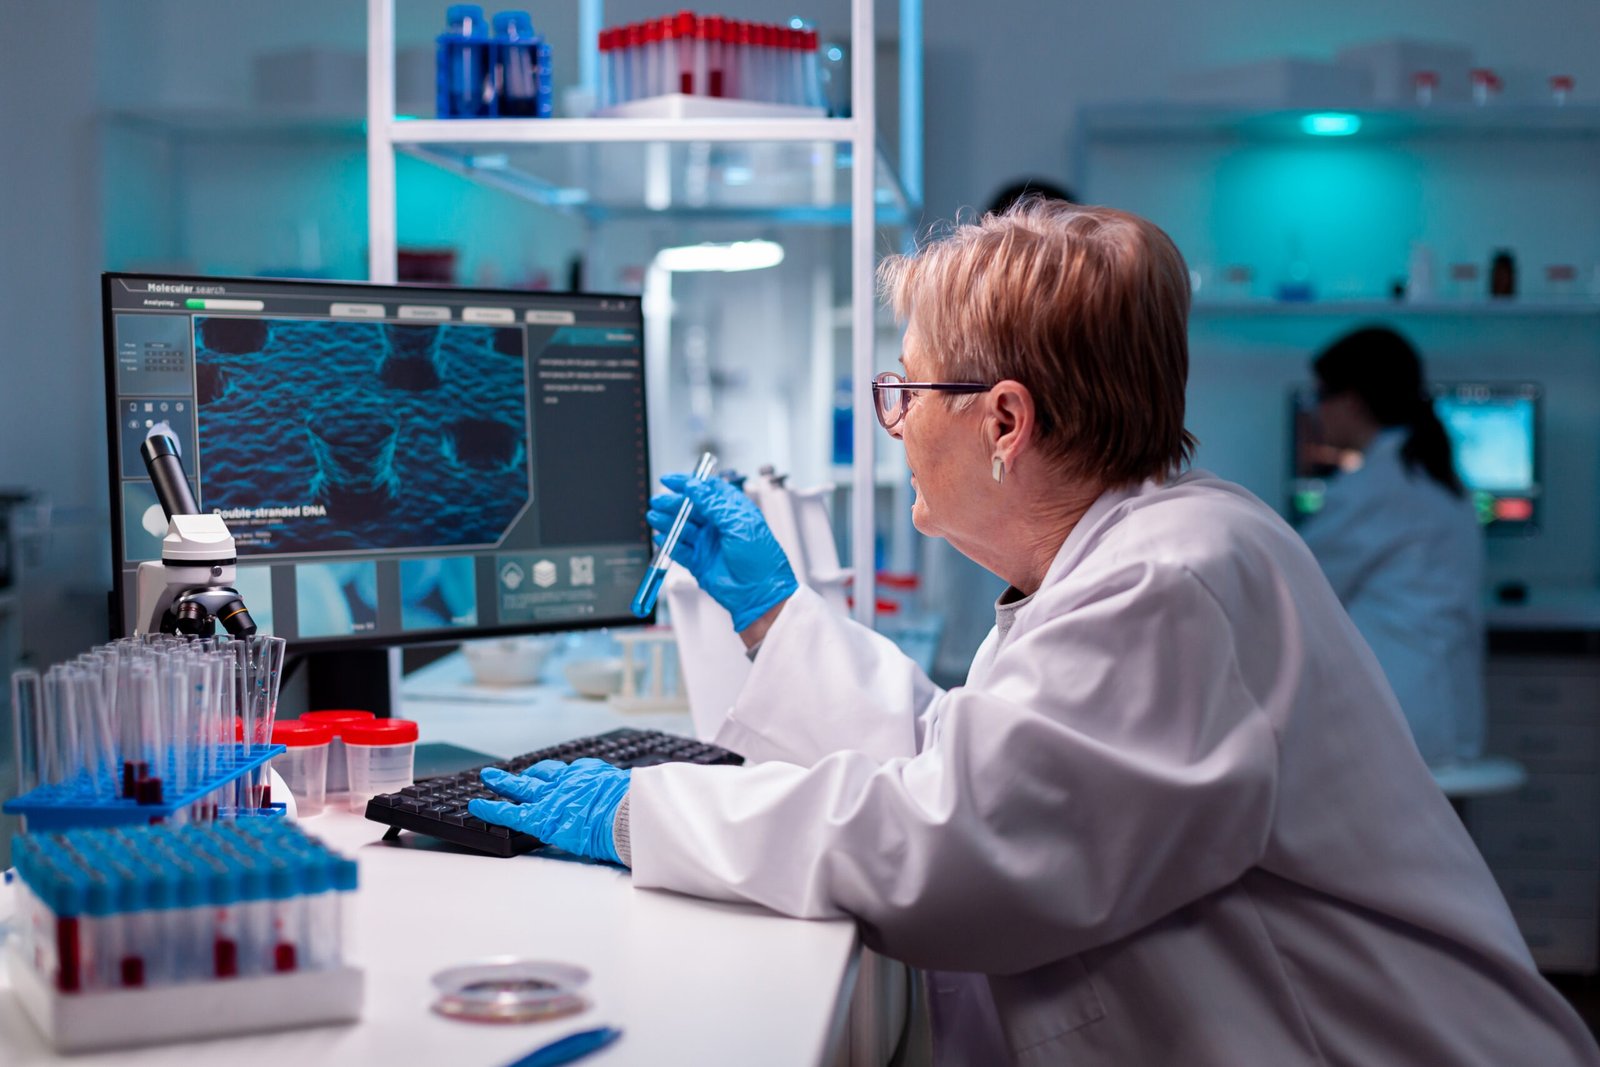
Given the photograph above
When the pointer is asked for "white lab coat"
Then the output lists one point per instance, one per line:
(1406, 559)
(1174, 817)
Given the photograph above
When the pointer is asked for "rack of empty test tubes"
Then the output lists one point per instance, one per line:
(140, 934)
(154, 728)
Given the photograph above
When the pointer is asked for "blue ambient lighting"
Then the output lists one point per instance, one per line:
(1330, 124)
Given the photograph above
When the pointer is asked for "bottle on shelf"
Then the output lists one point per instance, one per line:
(521, 80)
(1503, 274)
(1425, 83)
(680, 48)
(1419, 274)
(1294, 285)
(1561, 89)
(709, 69)
(1464, 281)
(1485, 85)
(812, 95)
(1561, 281)
(463, 86)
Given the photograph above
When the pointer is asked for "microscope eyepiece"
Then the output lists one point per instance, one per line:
(161, 459)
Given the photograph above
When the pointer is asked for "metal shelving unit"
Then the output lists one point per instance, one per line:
(558, 161)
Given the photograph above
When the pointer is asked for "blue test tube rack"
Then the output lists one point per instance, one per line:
(138, 935)
(71, 806)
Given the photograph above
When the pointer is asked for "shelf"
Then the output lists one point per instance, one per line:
(1166, 121)
(790, 171)
(242, 123)
(1441, 308)
(506, 132)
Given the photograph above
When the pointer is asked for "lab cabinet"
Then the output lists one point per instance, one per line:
(1543, 841)
(635, 185)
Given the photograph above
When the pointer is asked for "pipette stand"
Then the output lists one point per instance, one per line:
(652, 677)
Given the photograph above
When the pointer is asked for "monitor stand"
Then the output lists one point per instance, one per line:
(367, 679)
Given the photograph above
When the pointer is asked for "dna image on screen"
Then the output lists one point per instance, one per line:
(324, 436)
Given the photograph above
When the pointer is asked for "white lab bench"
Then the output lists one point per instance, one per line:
(689, 981)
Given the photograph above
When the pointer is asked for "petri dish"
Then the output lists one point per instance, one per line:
(510, 991)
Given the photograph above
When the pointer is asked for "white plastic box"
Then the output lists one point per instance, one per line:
(1391, 67)
(1288, 82)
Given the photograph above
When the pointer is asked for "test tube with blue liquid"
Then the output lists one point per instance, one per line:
(644, 601)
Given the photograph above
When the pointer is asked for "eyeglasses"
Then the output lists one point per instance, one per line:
(891, 394)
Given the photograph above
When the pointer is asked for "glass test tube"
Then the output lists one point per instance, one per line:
(266, 660)
(61, 710)
(27, 713)
(644, 601)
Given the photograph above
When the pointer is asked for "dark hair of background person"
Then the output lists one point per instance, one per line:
(1028, 187)
(1383, 369)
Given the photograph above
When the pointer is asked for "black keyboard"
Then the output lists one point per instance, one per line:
(438, 806)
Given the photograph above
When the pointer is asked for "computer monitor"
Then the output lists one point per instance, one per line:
(397, 464)
(1494, 434)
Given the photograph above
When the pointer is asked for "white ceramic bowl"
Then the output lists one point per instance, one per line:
(506, 660)
(595, 678)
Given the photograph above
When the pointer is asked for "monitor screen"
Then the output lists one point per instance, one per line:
(1494, 436)
(395, 463)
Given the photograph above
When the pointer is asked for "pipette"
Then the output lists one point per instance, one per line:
(644, 601)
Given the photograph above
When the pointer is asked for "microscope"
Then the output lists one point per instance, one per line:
(190, 589)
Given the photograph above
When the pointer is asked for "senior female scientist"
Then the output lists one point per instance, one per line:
(1174, 816)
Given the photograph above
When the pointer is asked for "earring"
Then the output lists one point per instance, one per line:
(999, 470)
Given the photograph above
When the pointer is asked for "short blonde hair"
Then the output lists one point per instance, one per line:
(1085, 306)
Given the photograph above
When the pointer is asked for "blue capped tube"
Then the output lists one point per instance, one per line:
(644, 601)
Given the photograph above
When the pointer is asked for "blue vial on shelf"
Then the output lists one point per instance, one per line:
(518, 74)
(844, 440)
(464, 87)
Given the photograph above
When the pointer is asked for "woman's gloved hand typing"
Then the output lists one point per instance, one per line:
(572, 806)
(726, 545)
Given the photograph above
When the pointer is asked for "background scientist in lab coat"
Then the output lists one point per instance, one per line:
(1399, 539)
(1174, 815)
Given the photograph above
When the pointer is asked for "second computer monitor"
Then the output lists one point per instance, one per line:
(395, 463)
(1494, 435)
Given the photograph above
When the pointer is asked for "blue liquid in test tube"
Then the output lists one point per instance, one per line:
(644, 601)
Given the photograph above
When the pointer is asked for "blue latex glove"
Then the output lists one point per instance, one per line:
(572, 806)
(727, 546)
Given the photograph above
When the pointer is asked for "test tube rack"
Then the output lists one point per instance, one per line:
(143, 935)
(70, 806)
(125, 1018)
